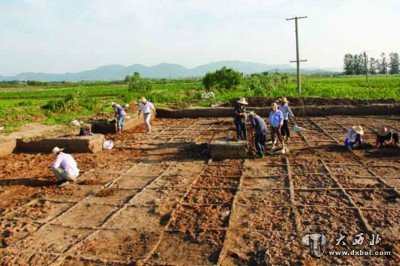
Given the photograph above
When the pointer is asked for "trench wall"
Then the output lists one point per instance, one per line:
(111, 127)
(83, 144)
(7, 146)
(310, 111)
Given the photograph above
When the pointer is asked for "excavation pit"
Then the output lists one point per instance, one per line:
(73, 144)
(106, 126)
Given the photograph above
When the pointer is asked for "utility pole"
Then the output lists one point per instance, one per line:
(366, 65)
(297, 53)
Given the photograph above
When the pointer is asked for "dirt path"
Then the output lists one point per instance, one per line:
(157, 200)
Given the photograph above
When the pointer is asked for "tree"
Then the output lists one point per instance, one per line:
(383, 64)
(348, 64)
(394, 63)
(134, 76)
(208, 81)
(139, 86)
(359, 66)
(373, 65)
(224, 78)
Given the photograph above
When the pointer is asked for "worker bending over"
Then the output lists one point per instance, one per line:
(119, 113)
(64, 167)
(354, 137)
(385, 136)
(261, 130)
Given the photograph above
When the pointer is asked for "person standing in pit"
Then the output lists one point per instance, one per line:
(287, 113)
(385, 136)
(240, 117)
(119, 115)
(276, 122)
(146, 107)
(261, 130)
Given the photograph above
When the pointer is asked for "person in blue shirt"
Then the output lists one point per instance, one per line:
(276, 121)
(287, 113)
(240, 117)
(354, 137)
(260, 133)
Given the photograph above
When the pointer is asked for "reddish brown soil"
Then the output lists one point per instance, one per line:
(156, 199)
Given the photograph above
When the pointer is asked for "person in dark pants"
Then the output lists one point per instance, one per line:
(240, 117)
(276, 122)
(385, 136)
(261, 130)
(287, 113)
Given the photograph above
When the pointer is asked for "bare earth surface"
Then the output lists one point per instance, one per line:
(157, 200)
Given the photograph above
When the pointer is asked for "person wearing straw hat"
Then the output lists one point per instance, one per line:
(64, 167)
(354, 137)
(146, 107)
(385, 136)
(287, 113)
(276, 121)
(260, 132)
(239, 119)
(120, 114)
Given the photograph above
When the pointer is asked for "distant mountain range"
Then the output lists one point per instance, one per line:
(119, 72)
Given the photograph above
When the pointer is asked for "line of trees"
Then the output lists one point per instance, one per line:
(358, 64)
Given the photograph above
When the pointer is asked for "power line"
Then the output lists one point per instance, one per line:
(298, 60)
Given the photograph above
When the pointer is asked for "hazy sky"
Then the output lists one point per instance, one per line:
(72, 35)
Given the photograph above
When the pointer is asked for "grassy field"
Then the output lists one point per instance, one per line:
(21, 103)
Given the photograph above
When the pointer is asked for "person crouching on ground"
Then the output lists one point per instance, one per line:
(146, 107)
(287, 113)
(276, 120)
(385, 136)
(261, 130)
(240, 117)
(119, 116)
(354, 137)
(64, 167)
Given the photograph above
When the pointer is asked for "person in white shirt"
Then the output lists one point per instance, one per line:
(64, 167)
(146, 107)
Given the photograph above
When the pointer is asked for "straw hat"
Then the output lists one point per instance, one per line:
(242, 101)
(358, 130)
(251, 113)
(143, 100)
(284, 100)
(382, 131)
(56, 150)
(112, 103)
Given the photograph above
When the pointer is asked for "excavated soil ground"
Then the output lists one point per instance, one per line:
(157, 200)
